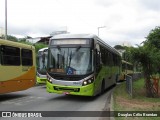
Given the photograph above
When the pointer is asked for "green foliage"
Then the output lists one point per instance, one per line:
(39, 46)
(119, 47)
(23, 40)
(127, 55)
(153, 37)
(121, 96)
(11, 38)
(125, 50)
(149, 56)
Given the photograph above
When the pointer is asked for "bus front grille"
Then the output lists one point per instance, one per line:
(68, 78)
(66, 89)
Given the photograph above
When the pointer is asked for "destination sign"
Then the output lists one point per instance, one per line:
(69, 41)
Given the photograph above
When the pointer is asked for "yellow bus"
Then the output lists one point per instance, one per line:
(127, 69)
(17, 66)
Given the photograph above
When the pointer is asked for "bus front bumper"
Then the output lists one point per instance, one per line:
(87, 90)
(41, 80)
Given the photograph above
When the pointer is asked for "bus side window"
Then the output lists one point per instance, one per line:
(103, 58)
(107, 58)
(110, 59)
(26, 57)
(10, 55)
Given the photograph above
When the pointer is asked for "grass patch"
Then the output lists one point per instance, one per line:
(122, 101)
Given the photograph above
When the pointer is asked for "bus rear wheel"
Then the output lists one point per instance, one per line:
(102, 87)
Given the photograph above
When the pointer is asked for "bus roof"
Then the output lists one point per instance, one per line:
(60, 36)
(15, 44)
(42, 49)
(67, 36)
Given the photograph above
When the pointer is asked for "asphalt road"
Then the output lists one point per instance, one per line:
(37, 99)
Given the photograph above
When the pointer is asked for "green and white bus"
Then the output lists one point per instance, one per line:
(41, 65)
(81, 64)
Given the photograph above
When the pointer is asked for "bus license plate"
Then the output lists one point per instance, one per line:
(66, 93)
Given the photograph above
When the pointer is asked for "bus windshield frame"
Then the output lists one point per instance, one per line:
(71, 59)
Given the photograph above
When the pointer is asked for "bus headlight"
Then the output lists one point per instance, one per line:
(38, 74)
(87, 82)
(49, 79)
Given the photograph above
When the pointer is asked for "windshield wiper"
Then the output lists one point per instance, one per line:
(59, 48)
(70, 58)
(71, 55)
(78, 48)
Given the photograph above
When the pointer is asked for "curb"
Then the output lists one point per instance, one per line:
(108, 107)
(111, 107)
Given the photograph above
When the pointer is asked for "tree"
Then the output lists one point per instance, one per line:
(11, 38)
(39, 46)
(154, 38)
(125, 51)
(22, 40)
(149, 56)
(153, 44)
(119, 47)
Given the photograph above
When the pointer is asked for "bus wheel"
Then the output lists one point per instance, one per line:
(117, 78)
(102, 87)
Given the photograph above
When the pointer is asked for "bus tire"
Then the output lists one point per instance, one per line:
(102, 87)
(117, 78)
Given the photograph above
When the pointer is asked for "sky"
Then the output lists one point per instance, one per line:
(125, 21)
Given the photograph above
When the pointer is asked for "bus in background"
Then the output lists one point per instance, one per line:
(41, 65)
(127, 69)
(17, 66)
(81, 64)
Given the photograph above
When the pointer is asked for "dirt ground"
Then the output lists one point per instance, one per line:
(139, 101)
(135, 104)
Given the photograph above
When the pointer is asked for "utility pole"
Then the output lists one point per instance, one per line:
(99, 28)
(5, 19)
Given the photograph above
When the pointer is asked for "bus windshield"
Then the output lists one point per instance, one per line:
(42, 62)
(71, 61)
